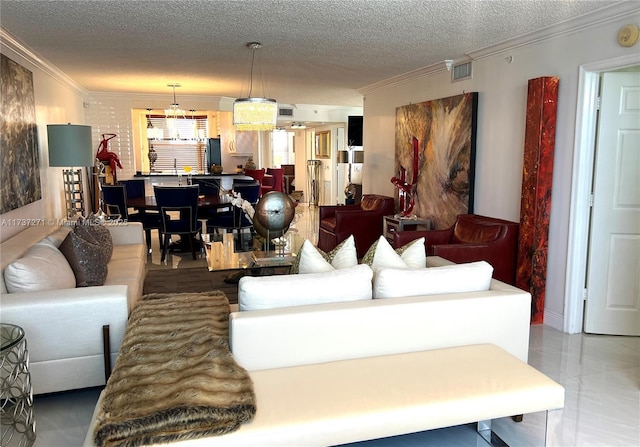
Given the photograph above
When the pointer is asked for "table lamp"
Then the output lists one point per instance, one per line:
(70, 146)
(351, 157)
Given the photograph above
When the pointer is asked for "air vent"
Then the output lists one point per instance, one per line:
(461, 71)
(285, 112)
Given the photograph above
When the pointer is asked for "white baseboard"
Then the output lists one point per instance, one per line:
(555, 320)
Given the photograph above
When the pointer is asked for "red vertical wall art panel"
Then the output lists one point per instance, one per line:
(535, 208)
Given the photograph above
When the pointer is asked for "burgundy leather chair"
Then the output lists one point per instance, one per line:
(364, 220)
(472, 238)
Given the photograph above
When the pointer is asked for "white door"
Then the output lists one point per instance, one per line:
(613, 273)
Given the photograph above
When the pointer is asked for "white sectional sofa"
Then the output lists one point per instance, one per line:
(63, 327)
(298, 356)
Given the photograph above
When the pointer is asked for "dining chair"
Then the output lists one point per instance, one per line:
(207, 188)
(178, 206)
(115, 202)
(236, 220)
(256, 174)
(276, 182)
(135, 188)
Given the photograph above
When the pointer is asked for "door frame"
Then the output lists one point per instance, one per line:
(581, 186)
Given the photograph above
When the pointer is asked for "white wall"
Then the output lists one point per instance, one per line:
(58, 101)
(502, 89)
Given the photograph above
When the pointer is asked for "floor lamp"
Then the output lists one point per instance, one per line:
(70, 146)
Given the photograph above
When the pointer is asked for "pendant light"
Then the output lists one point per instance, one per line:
(254, 113)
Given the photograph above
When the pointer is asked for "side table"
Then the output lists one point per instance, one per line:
(397, 223)
(16, 396)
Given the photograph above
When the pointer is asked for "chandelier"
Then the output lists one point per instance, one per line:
(254, 113)
(174, 108)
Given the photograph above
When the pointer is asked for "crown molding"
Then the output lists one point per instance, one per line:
(590, 20)
(15, 45)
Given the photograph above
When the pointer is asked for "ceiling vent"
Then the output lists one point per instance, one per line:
(461, 71)
(285, 112)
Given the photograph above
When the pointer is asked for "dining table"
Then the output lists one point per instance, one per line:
(148, 203)
(204, 201)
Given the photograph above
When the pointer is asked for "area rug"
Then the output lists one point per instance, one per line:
(202, 280)
(175, 377)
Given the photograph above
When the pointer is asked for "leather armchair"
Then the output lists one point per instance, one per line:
(364, 220)
(472, 238)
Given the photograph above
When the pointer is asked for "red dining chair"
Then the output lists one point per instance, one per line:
(256, 174)
(276, 182)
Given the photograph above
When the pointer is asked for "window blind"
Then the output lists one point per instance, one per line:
(179, 142)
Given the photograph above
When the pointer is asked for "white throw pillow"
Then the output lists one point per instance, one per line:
(410, 256)
(43, 267)
(267, 292)
(312, 260)
(469, 277)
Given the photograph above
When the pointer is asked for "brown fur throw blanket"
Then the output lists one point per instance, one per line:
(175, 377)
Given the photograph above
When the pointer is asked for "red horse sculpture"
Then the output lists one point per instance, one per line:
(406, 190)
(106, 156)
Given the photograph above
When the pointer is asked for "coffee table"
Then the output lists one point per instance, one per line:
(221, 254)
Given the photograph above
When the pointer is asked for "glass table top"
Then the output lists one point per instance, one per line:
(10, 335)
(223, 252)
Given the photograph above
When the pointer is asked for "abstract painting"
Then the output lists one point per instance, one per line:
(445, 130)
(20, 175)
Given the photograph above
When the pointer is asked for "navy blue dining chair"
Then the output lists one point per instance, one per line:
(135, 188)
(178, 206)
(207, 188)
(115, 202)
(236, 220)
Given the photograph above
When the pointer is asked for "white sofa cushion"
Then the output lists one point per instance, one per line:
(311, 259)
(267, 292)
(469, 277)
(410, 256)
(43, 267)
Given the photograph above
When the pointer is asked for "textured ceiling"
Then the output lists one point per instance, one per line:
(314, 52)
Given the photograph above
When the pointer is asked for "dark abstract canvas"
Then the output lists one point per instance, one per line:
(20, 177)
(445, 130)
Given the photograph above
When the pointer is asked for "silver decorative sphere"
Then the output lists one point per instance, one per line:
(273, 215)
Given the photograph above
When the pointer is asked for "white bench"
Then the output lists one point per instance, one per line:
(353, 400)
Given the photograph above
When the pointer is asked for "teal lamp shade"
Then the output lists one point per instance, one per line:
(70, 145)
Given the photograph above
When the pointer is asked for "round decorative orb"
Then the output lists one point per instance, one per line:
(216, 169)
(273, 215)
(350, 191)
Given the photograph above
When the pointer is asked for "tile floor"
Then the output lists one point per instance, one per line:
(601, 375)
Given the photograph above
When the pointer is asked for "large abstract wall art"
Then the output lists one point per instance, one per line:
(20, 170)
(445, 130)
